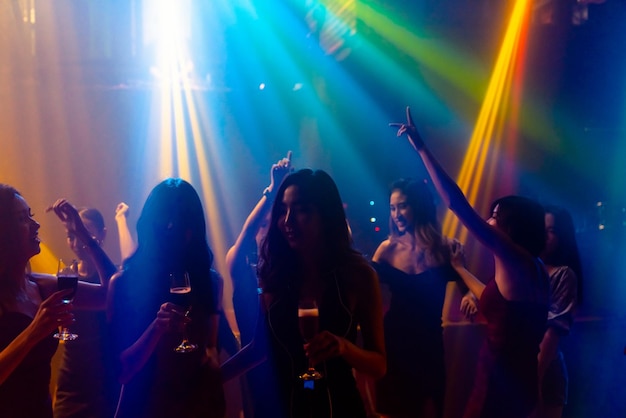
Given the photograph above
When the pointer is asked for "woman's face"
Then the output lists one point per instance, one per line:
(401, 212)
(298, 222)
(26, 231)
(552, 239)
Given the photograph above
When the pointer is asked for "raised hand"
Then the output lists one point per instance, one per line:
(121, 210)
(279, 171)
(410, 130)
(68, 214)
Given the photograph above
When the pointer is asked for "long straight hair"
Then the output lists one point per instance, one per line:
(278, 261)
(566, 253)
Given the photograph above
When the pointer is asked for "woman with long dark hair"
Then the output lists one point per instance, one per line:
(307, 257)
(148, 321)
(562, 261)
(413, 263)
(31, 308)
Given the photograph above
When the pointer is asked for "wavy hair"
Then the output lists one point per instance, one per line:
(425, 223)
(277, 260)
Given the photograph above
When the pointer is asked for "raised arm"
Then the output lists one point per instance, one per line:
(127, 243)
(510, 257)
(236, 255)
(447, 188)
(89, 296)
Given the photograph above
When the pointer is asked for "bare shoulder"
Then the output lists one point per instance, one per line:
(358, 273)
(47, 283)
(384, 250)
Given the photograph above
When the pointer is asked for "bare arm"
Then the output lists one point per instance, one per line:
(236, 255)
(509, 256)
(134, 357)
(457, 260)
(52, 312)
(89, 296)
(252, 354)
(127, 243)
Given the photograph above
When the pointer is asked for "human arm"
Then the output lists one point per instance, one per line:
(132, 356)
(513, 260)
(51, 314)
(562, 304)
(127, 243)
(457, 260)
(236, 255)
(251, 355)
(371, 358)
(88, 296)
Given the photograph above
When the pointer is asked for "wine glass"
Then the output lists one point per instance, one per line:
(67, 278)
(308, 320)
(180, 285)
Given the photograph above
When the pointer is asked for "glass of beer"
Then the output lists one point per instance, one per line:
(180, 285)
(308, 320)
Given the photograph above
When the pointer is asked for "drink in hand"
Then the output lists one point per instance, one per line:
(181, 285)
(308, 321)
(67, 278)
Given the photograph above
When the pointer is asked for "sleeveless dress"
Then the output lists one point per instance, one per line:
(506, 383)
(170, 384)
(86, 385)
(413, 339)
(336, 394)
(26, 392)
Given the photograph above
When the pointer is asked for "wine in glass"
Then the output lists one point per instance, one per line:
(308, 320)
(67, 278)
(180, 285)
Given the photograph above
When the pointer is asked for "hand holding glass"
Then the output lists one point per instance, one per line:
(308, 320)
(67, 278)
(180, 285)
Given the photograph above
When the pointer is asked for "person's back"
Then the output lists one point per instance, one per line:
(506, 378)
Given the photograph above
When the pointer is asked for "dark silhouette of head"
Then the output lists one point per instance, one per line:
(171, 225)
(523, 220)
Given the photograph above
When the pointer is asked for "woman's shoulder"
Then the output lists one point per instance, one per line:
(46, 283)
(357, 268)
(387, 249)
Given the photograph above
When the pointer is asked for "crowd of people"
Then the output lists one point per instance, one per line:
(313, 312)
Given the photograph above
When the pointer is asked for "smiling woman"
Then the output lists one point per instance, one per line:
(31, 308)
(413, 265)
